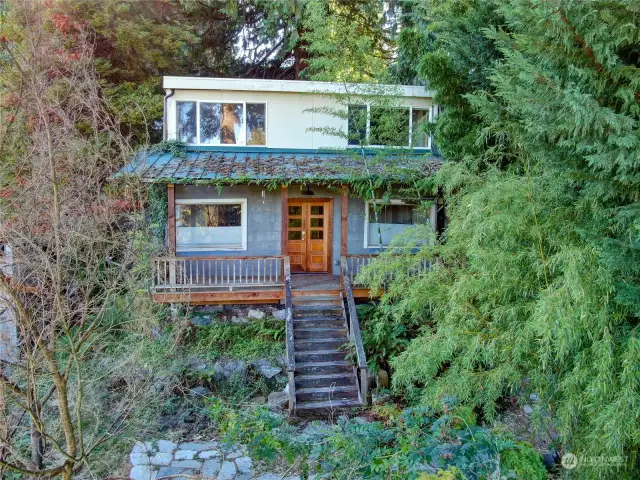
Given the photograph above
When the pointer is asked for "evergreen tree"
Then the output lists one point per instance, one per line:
(539, 278)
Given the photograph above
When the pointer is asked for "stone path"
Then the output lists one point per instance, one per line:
(194, 460)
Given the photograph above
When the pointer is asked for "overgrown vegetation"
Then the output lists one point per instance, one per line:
(413, 443)
(538, 285)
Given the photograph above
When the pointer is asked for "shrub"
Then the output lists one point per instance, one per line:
(524, 461)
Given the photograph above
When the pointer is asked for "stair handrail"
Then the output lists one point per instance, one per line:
(355, 335)
(291, 360)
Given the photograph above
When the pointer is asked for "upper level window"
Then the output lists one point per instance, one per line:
(385, 126)
(220, 123)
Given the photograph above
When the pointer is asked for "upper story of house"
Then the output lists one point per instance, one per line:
(286, 114)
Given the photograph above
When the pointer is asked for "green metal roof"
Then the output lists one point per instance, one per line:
(264, 164)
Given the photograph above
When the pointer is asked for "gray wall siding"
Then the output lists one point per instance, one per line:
(263, 217)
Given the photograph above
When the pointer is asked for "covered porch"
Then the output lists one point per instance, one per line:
(240, 220)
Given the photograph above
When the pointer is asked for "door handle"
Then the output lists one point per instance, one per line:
(304, 234)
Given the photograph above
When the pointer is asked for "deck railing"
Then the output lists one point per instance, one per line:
(355, 336)
(355, 264)
(193, 273)
(291, 359)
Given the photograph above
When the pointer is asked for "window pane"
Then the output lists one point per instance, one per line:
(392, 220)
(232, 124)
(317, 222)
(256, 124)
(420, 118)
(317, 210)
(295, 235)
(357, 124)
(186, 122)
(317, 234)
(212, 225)
(295, 223)
(295, 210)
(210, 116)
(389, 126)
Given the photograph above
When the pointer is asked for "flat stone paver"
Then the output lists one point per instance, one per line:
(206, 460)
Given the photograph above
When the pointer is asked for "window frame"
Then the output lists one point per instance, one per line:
(410, 108)
(216, 201)
(367, 204)
(244, 118)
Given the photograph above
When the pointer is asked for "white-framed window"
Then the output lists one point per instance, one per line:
(205, 225)
(388, 126)
(390, 219)
(221, 123)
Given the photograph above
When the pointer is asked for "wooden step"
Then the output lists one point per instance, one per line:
(331, 300)
(321, 368)
(326, 380)
(317, 308)
(325, 406)
(320, 356)
(334, 392)
(299, 333)
(323, 322)
(324, 343)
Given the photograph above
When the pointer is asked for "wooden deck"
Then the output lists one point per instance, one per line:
(241, 280)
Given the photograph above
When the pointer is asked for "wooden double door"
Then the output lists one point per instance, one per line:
(309, 234)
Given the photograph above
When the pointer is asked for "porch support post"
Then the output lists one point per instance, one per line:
(171, 202)
(344, 220)
(284, 237)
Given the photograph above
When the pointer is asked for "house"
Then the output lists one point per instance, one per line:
(264, 200)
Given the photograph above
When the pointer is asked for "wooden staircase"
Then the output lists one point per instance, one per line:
(322, 379)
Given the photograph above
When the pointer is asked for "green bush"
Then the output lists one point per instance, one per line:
(408, 445)
(524, 461)
(258, 339)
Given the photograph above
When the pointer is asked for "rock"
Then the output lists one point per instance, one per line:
(201, 320)
(383, 378)
(166, 446)
(228, 471)
(198, 445)
(279, 314)
(269, 476)
(239, 320)
(257, 314)
(210, 309)
(185, 454)
(211, 468)
(233, 455)
(534, 397)
(266, 369)
(142, 472)
(528, 409)
(142, 447)
(209, 454)
(550, 458)
(200, 391)
(380, 399)
(278, 400)
(244, 464)
(169, 471)
(162, 458)
(187, 464)
(224, 369)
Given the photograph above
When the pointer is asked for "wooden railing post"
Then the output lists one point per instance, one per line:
(354, 332)
(291, 361)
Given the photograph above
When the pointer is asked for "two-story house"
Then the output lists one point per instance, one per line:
(263, 206)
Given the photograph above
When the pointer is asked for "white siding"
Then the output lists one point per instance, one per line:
(288, 118)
